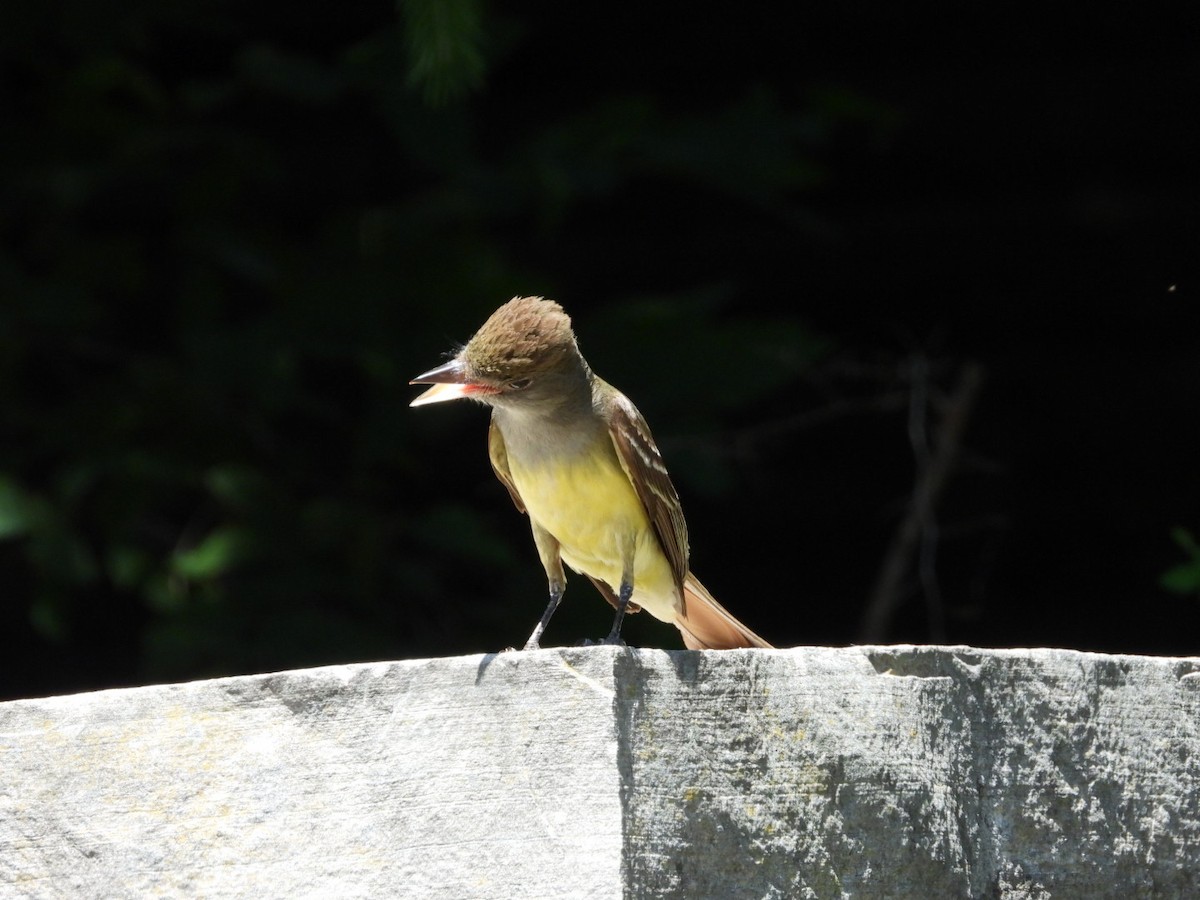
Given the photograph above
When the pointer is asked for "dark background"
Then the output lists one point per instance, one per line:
(231, 232)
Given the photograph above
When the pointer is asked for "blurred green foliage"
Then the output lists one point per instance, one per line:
(1184, 578)
(230, 233)
(444, 45)
(228, 236)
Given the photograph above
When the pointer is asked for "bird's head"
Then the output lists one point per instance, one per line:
(524, 355)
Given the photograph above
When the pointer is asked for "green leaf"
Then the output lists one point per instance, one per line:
(444, 37)
(18, 509)
(128, 565)
(1184, 579)
(223, 549)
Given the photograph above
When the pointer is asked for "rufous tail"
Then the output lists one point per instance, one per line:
(706, 625)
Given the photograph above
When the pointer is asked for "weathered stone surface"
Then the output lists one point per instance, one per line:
(435, 778)
(855, 772)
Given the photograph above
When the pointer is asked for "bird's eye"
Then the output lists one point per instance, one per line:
(519, 384)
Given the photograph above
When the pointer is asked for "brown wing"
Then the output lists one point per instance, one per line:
(498, 454)
(644, 465)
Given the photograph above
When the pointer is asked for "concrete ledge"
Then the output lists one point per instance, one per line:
(861, 772)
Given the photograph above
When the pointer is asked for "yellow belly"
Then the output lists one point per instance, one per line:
(594, 513)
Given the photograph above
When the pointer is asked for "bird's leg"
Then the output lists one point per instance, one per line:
(614, 636)
(548, 553)
(556, 595)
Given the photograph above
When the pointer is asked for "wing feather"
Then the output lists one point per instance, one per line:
(498, 454)
(644, 466)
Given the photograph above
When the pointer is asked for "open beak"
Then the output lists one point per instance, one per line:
(449, 383)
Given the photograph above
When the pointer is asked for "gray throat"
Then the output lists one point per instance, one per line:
(537, 434)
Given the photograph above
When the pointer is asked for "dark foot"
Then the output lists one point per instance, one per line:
(606, 642)
(610, 641)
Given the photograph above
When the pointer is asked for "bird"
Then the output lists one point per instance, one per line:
(578, 458)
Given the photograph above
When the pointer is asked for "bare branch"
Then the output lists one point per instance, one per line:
(916, 536)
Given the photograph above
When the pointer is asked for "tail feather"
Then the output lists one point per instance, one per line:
(706, 625)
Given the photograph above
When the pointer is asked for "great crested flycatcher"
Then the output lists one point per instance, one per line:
(578, 457)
